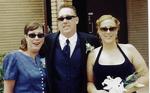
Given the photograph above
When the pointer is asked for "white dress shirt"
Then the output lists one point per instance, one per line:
(72, 40)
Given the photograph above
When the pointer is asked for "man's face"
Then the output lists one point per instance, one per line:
(67, 22)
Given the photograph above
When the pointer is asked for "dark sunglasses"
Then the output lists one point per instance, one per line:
(106, 29)
(33, 35)
(67, 17)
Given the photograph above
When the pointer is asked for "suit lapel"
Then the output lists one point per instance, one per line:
(82, 43)
(52, 44)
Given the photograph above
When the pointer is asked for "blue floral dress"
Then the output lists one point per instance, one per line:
(29, 74)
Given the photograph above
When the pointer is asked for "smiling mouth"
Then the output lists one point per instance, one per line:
(66, 26)
(108, 36)
(36, 43)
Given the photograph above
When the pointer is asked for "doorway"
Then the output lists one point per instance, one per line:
(89, 10)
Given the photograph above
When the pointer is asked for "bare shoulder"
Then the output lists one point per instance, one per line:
(128, 47)
(93, 54)
(125, 45)
(129, 50)
(135, 58)
(95, 51)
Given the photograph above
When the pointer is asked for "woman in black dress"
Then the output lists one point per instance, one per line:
(114, 60)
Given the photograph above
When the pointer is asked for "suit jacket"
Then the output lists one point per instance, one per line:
(48, 51)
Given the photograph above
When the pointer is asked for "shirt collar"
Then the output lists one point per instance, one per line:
(62, 39)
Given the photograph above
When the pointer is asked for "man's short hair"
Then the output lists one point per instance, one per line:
(68, 6)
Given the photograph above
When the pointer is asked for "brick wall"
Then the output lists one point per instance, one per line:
(55, 4)
(138, 25)
(138, 28)
(13, 17)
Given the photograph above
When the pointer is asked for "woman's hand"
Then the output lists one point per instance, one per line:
(133, 87)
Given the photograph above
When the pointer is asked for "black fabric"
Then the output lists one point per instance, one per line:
(102, 71)
(64, 80)
(49, 51)
(66, 49)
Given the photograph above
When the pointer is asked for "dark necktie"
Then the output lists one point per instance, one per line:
(66, 49)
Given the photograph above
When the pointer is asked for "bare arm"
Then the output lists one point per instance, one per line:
(90, 86)
(9, 86)
(140, 67)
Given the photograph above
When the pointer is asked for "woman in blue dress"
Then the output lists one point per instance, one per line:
(113, 62)
(24, 70)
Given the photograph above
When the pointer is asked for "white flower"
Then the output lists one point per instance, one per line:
(117, 85)
(43, 62)
(89, 47)
(114, 85)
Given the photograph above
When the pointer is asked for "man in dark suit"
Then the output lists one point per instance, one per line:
(67, 72)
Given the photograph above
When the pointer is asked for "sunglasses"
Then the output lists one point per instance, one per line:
(67, 18)
(106, 29)
(33, 35)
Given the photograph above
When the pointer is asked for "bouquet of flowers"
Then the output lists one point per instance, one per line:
(117, 85)
(113, 85)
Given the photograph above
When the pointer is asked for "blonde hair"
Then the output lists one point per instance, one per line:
(106, 17)
(68, 6)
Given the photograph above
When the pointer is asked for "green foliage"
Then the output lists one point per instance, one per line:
(1, 79)
(131, 78)
(1, 73)
(1, 58)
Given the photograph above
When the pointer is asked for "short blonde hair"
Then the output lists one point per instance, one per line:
(68, 6)
(106, 17)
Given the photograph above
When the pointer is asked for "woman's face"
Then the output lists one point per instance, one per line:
(35, 39)
(108, 31)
